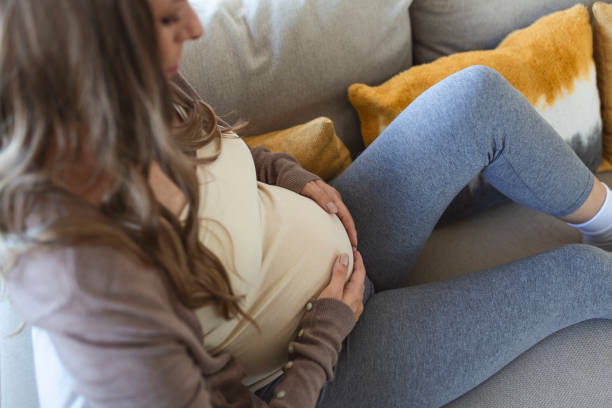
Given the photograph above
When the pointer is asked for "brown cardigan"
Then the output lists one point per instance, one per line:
(125, 338)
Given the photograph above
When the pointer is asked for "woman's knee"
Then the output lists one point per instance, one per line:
(482, 85)
(482, 98)
(482, 77)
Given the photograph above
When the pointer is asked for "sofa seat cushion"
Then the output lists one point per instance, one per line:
(572, 368)
(492, 238)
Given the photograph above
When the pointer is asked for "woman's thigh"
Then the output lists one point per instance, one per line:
(424, 346)
(472, 121)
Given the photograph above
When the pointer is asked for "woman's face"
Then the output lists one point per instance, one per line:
(175, 22)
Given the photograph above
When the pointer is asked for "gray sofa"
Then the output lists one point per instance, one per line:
(279, 63)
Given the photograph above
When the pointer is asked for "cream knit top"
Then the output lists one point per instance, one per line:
(278, 247)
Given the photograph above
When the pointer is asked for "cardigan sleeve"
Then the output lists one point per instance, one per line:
(112, 323)
(125, 340)
(280, 169)
(314, 352)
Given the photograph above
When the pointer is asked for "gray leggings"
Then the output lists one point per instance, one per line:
(426, 345)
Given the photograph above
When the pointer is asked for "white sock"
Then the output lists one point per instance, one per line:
(598, 230)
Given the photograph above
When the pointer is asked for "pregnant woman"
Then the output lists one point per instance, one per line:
(162, 263)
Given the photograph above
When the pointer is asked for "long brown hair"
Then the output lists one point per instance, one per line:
(84, 79)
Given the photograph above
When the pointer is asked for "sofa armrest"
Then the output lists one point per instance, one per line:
(17, 378)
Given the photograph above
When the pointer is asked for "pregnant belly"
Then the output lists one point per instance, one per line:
(300, 245)
(301, 242)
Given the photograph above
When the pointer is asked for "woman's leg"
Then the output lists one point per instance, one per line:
(423, 346)
(473, 121)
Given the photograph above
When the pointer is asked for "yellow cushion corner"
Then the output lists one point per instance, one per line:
(602, 26)
(314, 144)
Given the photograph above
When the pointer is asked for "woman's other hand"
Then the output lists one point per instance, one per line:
(351, 292)
(330, 200)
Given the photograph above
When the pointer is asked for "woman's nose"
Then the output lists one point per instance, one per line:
(198, 30)
(195, 29)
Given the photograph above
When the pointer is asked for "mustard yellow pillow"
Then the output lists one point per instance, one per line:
(602, 23)
(314, 144)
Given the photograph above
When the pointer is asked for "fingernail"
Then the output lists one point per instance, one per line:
(332, 207)
(354, 248)
(344, 259)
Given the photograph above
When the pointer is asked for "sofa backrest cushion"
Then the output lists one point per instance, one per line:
(444, 27)
(279, 63)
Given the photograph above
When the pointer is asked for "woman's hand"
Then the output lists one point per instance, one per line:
(330, 200)
(350, 293)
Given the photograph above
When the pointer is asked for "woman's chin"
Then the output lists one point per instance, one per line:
(172, 71)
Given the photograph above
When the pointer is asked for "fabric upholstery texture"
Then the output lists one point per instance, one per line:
(314, 144)
(563, 370)
(279, 63)
(444, 27)
(550, 62)
(602, 26)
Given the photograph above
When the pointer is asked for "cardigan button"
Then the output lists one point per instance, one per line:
(281, 394)
(291, 349)
(308, 306)
(300, 333)
(288, 365)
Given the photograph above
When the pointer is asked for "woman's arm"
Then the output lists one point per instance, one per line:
(126, 341)
(280, 169)
(115, 327)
